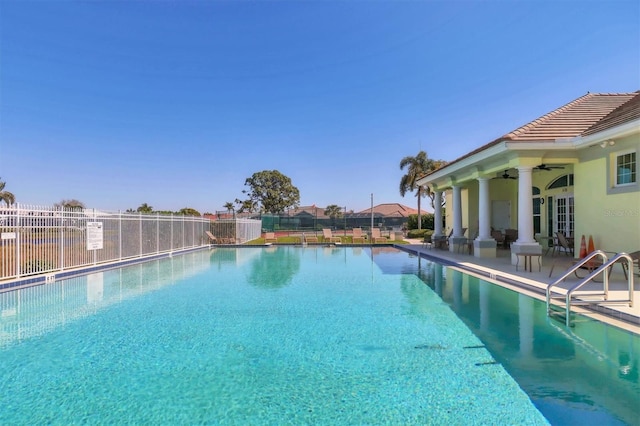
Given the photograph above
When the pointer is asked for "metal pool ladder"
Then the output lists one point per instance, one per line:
(572, 297)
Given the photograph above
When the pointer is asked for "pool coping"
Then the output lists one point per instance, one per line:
(531, 288)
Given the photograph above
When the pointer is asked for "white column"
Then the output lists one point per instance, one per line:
(437, 214)
(484, 245)
(484, 210)
(525, 205)
(457, 212)
(525, 242)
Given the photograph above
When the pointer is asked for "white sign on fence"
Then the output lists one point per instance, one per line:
(9, 235)
(94, 236)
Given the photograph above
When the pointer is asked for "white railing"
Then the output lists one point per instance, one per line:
(236, 231)
(38, 240)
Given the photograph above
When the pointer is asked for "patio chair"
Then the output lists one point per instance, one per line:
(358, 236)
(376, 237)
(636, 262)
(499, 237)
(212, 238)
(510, 236)
(468, 243)
(563, 244)
(441, 242)
(328, 236)
(270, 237)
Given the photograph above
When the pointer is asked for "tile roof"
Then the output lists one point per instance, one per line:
(568, 121)
(571, 119)
(391, 210)
(625, 113)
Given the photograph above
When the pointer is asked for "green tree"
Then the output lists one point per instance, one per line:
(417, 167)
(245, 206)
(432, 195)
(188, 211)
(6, 196)
(229, 206)
(72, 204)
(145, 208)
(272, 191)
(334, 212)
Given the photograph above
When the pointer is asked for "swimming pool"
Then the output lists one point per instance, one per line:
(297, 335)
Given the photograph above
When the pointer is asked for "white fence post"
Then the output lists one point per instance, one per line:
(46, 240)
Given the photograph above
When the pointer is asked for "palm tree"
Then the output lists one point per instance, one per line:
(333, 211)
(432, 195)
(73, 205)
(248, 206)
(229, 206)
(416, 167)
(145, 208)
(6, 196)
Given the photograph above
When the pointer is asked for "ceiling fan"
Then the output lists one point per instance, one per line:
(547, 167)
(506, 175)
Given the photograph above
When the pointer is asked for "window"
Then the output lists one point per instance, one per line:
(537, 203)
(561, 182)
(626, 168)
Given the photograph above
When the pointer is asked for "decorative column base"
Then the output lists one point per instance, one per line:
(484, 248)
(517, 247)
(454, 242)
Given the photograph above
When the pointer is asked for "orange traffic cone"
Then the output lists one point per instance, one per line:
(591, 265)
(583, 248)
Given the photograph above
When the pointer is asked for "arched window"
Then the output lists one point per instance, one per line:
(561, 181)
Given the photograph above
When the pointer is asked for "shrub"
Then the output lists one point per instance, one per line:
(419, 233)
(427, 221)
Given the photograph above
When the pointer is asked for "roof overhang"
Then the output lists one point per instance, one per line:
(621, 131)
(496, 158)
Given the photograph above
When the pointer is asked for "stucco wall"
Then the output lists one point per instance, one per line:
(612, 219)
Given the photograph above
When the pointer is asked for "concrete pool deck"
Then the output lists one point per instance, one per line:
(500, 271)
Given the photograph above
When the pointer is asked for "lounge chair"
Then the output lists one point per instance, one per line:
(358, 236)
(376, 237)
(212, 238)
(270, 237)
(309, 239)
(328, 236)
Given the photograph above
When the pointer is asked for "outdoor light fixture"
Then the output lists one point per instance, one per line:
(604, 144)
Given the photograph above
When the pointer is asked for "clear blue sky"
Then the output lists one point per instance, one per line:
(175, 104)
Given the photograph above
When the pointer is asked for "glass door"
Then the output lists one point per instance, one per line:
(564, 214)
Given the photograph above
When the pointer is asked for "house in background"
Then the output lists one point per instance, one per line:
(573, 170)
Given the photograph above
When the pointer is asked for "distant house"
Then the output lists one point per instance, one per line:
(391, 215)
(391, 210)
(574, 170)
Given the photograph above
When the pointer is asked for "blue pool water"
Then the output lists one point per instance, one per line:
(302, 336)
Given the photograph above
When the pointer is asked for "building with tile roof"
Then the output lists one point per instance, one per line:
(390, 210)
(573, 170)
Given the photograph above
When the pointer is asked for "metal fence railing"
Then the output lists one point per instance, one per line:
(349, 221)
(41, 240)
(237, 230)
